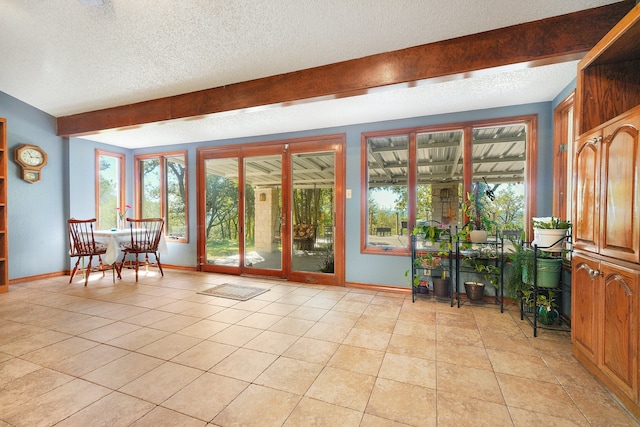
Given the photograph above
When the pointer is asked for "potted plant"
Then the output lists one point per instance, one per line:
(488, 270)
(548, 269)
(423, 284)
(475, 210)
(549, 233)
(432, 231)
(546, 308)
(426, 260)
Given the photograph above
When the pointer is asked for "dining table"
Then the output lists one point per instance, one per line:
(113, 238)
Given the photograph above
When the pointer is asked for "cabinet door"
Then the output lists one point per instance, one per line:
(619, 323)
(619, 211)
(584, 306)
(586, 190)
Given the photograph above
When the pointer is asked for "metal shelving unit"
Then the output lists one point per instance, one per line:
(421, 248)
(489, 253)
(529, 308)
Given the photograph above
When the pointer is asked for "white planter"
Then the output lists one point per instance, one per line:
(478, 236)
(549, 240)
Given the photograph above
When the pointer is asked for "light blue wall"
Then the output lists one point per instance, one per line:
(36, 212)
(75, 169)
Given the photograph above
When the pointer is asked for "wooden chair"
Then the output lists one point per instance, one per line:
(82, 244)
(145, 237)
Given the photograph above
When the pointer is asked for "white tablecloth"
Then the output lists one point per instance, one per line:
(113, 239)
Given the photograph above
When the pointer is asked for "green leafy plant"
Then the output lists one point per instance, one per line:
(490, 272)
(476, 210)
(550, 223)
(435, 232)
(544, 307)
(548, 302)
(426, 260)
(516, 261)
(432, 232)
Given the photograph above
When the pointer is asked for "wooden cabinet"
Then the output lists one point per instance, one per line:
(584, 307)
(586, 192)
(4, 240)
(606, 214)
(619, 320)
(619, 190)
(605, 323)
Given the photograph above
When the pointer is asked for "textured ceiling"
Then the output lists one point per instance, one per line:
(65, 58)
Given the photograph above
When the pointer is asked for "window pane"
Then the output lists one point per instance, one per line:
(439, 156)
(387, 167)
(150, 184)
(176, 196)
(109, 194)
(221, 211)
(263, 212)
(499, 158)
(312, 211)
(163, 191)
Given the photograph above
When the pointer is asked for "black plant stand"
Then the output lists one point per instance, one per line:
(529, 310)
(490, 252)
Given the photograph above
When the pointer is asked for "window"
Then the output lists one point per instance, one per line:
(109, 188)
(161, 191)
(439, 169)
(387, 163)
(499, 165)
(411, 176)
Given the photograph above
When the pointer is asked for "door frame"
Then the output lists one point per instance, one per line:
(336, 143)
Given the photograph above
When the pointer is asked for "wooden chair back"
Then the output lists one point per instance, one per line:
(145, 234)
(81, 239)
(82, 243)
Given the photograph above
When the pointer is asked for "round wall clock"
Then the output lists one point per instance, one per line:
(31, 159)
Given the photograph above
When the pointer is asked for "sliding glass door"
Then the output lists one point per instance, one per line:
(221, 216)
(271, 210)
(262, 178)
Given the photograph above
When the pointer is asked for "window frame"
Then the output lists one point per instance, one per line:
(121, 177)
(531, 164)
(162, 159)
(364, 189)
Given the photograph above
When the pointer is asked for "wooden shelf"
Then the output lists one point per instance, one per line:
(4, 241)
(609, 76)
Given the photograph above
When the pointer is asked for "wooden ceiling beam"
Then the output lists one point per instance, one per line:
(546, 41)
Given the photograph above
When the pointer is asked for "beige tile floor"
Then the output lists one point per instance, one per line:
(156, 353)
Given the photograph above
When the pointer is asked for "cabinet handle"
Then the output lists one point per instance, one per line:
(594, 273)
(597, 139)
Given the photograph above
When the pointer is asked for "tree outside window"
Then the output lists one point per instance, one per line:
(161, 190)
(110, 188)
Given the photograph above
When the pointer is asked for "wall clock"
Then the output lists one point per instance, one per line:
(31, 159)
